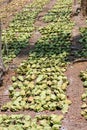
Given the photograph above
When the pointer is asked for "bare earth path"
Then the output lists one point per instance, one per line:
(73, 119)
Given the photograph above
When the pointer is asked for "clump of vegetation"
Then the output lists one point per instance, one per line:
(59, 12)
(84, 95)
(40, 85)
(25, 122)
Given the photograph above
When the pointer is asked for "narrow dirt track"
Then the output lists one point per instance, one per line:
(73, 119)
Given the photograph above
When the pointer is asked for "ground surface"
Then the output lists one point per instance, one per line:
(73, 119)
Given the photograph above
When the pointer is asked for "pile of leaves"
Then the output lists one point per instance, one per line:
(17, 35)
(25, 122)
(40, 83)
(83, 75)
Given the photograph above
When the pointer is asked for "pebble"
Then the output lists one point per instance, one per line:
(63, 128)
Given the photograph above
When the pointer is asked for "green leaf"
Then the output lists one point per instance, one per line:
(40, 78)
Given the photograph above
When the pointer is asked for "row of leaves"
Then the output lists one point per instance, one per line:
(17, 35)
(24, 122)
(60, 12)
(40, 83)
(83, 75)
